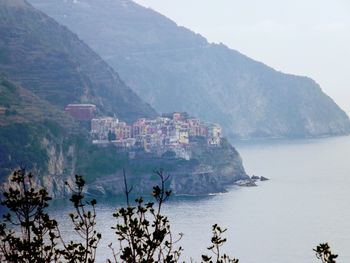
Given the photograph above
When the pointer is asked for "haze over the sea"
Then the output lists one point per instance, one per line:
(310, 38)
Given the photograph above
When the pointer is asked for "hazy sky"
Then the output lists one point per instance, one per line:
(304, 37)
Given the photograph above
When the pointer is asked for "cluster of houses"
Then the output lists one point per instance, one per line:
(172, 133)
(169, 133)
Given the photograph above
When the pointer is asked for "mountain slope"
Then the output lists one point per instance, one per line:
(175, 69)
(57, 66)
(46, 141)
(29, 129)
(22, 106)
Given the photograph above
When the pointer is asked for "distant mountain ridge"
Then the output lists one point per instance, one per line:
(175, 69)
(58, 67)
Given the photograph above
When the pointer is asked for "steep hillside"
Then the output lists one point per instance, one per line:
(175, 69)
(211, 170)
(22, 106)
(30, 131)
(44, 139)
(57, 66)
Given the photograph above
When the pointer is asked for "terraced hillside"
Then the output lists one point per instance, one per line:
(54, 64)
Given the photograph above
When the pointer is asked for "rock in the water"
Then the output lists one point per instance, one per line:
(247, 183)
(254, 177)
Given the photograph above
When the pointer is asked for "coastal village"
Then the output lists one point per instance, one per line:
(169, 133)
(172, 133)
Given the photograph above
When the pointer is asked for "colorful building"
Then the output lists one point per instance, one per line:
(157, 135)
(101, 127)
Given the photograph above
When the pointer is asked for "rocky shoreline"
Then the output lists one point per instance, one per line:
(251, 181)
(211, 170)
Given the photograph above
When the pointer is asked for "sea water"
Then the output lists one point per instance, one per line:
(305, 202)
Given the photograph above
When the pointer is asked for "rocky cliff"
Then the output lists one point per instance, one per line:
(37, 136)
(211, 170)
(221, 168)
(175, 69)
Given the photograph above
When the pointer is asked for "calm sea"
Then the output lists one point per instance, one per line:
(307, 201)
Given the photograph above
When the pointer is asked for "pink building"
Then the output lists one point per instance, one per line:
(177, 116)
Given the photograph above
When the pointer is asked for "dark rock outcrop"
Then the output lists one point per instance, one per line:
(254, 177)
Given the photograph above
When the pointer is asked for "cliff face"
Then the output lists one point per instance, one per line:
(221, 168)
(30, 129)
(57, 168)
(218, 167)
(36, 135)
(175, 69)
(61, 168)
(211, 170)
(55, 65)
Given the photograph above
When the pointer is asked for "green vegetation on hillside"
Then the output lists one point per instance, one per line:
(20, 144)
(97, 162)
(22, 106)
(56, 66)
(27, 121)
